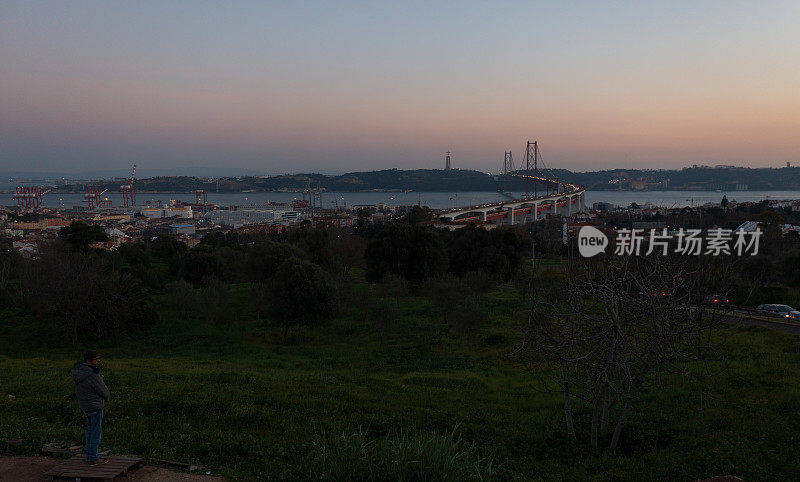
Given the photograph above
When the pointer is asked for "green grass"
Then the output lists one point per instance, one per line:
(229, 396)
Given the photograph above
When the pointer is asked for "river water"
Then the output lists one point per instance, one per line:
(435, 200)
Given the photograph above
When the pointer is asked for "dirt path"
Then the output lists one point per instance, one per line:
(30, 469)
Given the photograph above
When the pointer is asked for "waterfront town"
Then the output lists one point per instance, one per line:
(27, 228)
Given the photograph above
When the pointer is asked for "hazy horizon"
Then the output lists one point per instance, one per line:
(350, 86)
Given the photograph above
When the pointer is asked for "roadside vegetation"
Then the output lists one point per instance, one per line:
(302, 358)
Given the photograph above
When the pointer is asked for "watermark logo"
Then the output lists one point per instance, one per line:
(591, 241)
(636, 242)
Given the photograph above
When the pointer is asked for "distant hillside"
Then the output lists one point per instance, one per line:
(430, 180)
(689, 179)
(433, 180)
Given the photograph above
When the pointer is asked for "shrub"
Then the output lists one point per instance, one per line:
(208, 303)
(185, 298)
(214, 300)
(444, 292)
(382, 315)
(469, 316)
(480, 281)
(522, 283)
(392, 286)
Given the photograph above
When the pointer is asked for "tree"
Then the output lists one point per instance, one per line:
(80, 235)
(264, 258)
(10, 262)
(85, 300)
(362, 221)
(347, 249)
(613, 324)
(315, 242)
(218, 239)
(134, 254)
(413, 252)
(418, 214)
(233, 263)
(199, 265)
(301, 293)
(166, 247)
(497, 252)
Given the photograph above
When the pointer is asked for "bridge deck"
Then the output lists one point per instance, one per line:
(569, 189)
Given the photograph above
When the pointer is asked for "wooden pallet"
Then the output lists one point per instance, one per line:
(78, 469)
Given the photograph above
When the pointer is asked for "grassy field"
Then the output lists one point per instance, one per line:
(229, 396)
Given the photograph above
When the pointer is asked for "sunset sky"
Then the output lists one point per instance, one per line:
(331, 86)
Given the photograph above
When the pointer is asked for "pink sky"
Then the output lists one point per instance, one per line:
(300, 88)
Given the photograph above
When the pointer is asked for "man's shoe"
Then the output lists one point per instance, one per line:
(98, 462)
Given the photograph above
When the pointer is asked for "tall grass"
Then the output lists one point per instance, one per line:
(407, 456)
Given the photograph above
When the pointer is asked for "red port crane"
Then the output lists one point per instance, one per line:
(93, 198)
(29, 196)
(129, 191)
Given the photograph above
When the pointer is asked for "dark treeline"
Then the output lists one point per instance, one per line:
(307, 276)
(302, 277)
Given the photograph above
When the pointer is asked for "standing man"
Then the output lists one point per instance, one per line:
(92, 398)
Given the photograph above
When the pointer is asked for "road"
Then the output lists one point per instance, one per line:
(747, 318)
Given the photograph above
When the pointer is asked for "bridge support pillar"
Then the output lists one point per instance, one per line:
(511, 215)
(483, 216)
(569, 205)
(555, 208)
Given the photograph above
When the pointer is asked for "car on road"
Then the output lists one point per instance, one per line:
(717, 300)
(784, 311)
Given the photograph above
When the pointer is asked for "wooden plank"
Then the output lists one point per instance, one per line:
(78, 468)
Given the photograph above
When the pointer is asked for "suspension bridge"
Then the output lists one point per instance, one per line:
(558, 198)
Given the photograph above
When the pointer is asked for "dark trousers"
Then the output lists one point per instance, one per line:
(94, 429)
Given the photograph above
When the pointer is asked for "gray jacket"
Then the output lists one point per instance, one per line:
(89, 386)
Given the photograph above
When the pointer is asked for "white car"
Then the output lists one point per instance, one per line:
(784, 311)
